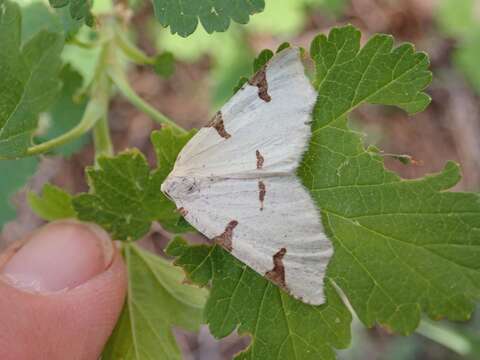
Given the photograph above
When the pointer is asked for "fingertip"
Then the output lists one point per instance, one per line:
(74, 320)
(59, 256)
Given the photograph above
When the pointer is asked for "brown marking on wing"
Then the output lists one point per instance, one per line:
(218, 124)
(277, 274)
(262, 190)
(260, 80)
(182, 211)
(260, 159)
(225, 238)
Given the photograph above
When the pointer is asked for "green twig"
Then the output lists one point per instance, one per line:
(119, 79)
(131, 51)
(446, 336)
(102, 139)
(122, 84)
(82, 44)
(101, 132)
(96, 109)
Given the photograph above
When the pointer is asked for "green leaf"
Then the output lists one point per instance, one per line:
(283, 46)
(440, 228)
(242, 81)
(125, 196)
(156, 302)
(164, 64)
(348, 76)
(37, 16)
(70, 25)
(402, 247)
(19, 171)
(58, 3)
(262, 59)
(182, 15)
(85, 61)
(29, 80)
(54, 204)
(66, 113)
(79, 9)
(167, 145)
(281, 327)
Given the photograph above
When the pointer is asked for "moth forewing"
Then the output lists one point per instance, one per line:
(235, 180)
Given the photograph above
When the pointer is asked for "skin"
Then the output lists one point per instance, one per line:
(73, 322)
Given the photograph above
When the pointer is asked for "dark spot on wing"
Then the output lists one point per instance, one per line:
(260, 80)
(218, 124)
(260, 159)
(262, 190)
(225, 238)
(277, 274)
(182, 211)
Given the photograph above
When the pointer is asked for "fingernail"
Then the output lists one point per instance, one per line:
(60, 256)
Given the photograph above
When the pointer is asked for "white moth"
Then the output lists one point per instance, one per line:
(235, 180)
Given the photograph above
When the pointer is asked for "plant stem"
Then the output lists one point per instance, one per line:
(102, 139)
(446, 336)
(101, 132)
(120, 80)
(82, 44)
(96, 108)
(122, 84)
(131, 51)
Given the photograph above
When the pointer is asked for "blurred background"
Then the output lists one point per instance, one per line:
(207, 67)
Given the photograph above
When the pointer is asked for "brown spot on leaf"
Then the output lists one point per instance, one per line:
(186, 281)
(260, 159)
(182, 211)
(277, 274)
(218, 124)
(225, 238)
(260, 80)
(262, 190)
